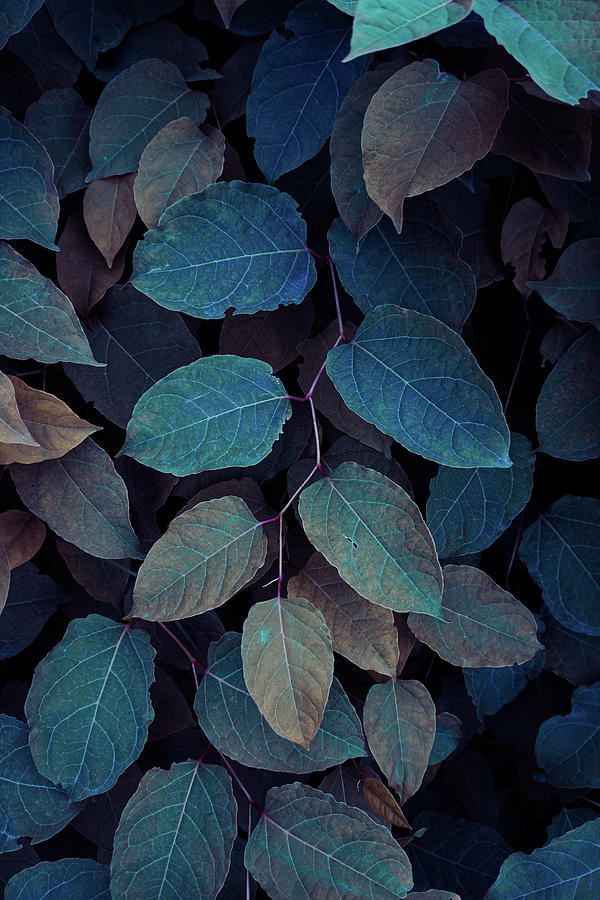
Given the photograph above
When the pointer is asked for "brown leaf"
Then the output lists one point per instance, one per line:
(4, 577)
(383, 803)
(227, 9)
(109, 213)
(21, 534)
(230, 93)
(13, 429)
(424, 127)
(54, 426)
(523, 236)
(271, 336)
(406, 641)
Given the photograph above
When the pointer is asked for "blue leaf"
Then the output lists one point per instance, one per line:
(569, 818)
(14, 16)
(56, 66)
(570, 655)
(60, 120)
(568, 747)
(448, 734)
(32, 598)
(91, 26)
(492, 688)
(77, 879)
(158, 40)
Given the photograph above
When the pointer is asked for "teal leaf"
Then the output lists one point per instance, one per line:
(567, 747)
(78, 879)
(60, 120)
(217, 412)
(570, 655)
(492, 688)
(418, 269)
(562, 553)
(32, 598)
(30, 805)
(468, 509)
(88, 706)
(558, 43)
(139, 342)
(132, 108)
(82, 498)
(56, 66)
(298, 85)
(232, 722)
(568, 868)
(234, 245)
(416, 380)
(15, 16)
(91, 26)
(567, 415)
(310, 844)
(157, 40)
(573, 289)
(28, 196)
(176, 834)
(448, 733)
(569, 818)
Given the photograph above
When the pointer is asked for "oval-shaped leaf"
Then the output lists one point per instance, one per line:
(60, 120)
(109, 213)
(81, 879)
(416, 380)
(219, 411)
(82, 498)
(567, 747)
(483, 625)
(176, 834)
(21, 535)
(232, 721)
(88, 706)
(373, 533)
(573, 289)
(207, 554)
(234, 245)
(92, 26)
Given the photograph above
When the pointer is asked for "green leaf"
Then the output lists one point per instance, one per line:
(565, 869)
(399, 722)
(448, 733)
(79, 879)
(558, 43)
(92, 26)
(207, 554)
(60, 120)
(561, 552)
(15, 16)
(132, 108)
(176, 834)
(219, 411)
(468, 509)
(88, 706)
(82, 498)
(567, 747)
(483, 625)
(30, 805)
(418, 269)
(287, 660)
(298, 84)
(379, 24)
(416, 380)
(232, 721)
(373, 533)
(573, 289)
(28, 196)
(234, 245)
(36, 319)
(311, 845)
(415, 137)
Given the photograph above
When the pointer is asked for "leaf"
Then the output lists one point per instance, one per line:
(573, 289)
(233, 723)
(82, 498)
(82, 878)
(13, 429)
(373, 533)
(21, 535)
(157, 40)
(567, 819)
(416, 380)
(399, 722)
(84, 737)
(567, 415)
(418, 269)
(103, 579)
(311, 842)
(491, 689)
(433, 895)
(271, 336)
(567, 867)
(60, 120)
(379, 24)
(571, 655)
(298, 84)
(30, 804)
(227, 9)
(207, 554)
(558, 339)
(567, 747)
(414, 137)
(5, 568)
(230, 93)
(288, 665)
(56, 66)
(32, 598)
(524, 233)
(176, 834)
(139, 342)
(557, 44)
(234, 245)
(448, 734)
(36, 319)
(383, 803)
(133, 107)
(468, 509)
(180, 160)
(483, 625)
(14, 17)
(361, 631)
(109, 213)
(55, 428)
(28, 196)
(218, 411)
(93, 26)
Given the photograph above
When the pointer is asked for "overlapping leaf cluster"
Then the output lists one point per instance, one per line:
(299, 541)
